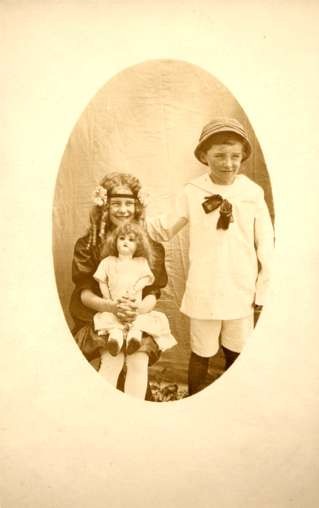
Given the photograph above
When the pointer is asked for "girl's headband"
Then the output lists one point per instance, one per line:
(101, 195)
(116, 195)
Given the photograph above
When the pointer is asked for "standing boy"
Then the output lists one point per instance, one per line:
(230, 232)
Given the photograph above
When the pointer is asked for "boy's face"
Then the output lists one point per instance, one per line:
(126, 245)
(224, 161)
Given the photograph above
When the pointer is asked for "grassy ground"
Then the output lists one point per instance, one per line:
(165, 392)
(168, 381)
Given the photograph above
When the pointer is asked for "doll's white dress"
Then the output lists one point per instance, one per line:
(128, 279)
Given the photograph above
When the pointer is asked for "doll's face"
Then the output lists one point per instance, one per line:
(126, 245)
(121, 209)
(224, 161)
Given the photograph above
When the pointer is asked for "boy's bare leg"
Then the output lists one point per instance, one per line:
(111, 367)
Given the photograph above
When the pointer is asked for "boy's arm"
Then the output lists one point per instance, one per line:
(165, 226)
(264, 242)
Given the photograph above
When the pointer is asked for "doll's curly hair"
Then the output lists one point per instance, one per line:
(99, 215)
(143, 246)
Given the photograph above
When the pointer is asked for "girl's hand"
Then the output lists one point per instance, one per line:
(125, 309)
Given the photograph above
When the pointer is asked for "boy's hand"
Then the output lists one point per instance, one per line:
(257, 311)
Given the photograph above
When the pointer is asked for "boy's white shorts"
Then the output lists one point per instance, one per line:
(208, 334)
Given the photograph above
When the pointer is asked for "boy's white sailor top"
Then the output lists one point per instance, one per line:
(223, 280)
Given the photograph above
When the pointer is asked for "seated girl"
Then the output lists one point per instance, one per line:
(122, 275)
(117, 200)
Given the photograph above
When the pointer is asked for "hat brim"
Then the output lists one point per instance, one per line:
(198, 150)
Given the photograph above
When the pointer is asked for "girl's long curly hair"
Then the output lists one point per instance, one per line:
(99, 215)
(143, 247)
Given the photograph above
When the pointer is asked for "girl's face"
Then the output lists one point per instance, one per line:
(121, 209)
(224, 161)
(126, 245)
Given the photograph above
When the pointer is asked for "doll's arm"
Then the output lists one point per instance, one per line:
(147, 304)
(145, 278)
(104, 303)
(104, 290)
(158, 269)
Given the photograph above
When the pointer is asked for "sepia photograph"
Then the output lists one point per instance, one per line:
(161, 149)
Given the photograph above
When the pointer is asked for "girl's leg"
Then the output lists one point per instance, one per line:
(111, 367)
(136, 375)
(197, 373)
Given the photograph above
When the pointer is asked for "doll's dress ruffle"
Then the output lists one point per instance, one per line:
(153, 323)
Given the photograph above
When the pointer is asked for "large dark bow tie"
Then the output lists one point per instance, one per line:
(225, 212)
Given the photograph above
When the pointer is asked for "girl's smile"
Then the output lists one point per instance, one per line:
(121, 209)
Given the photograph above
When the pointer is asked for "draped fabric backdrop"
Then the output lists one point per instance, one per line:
(145, 121)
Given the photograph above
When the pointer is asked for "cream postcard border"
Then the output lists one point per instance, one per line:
(67, 439)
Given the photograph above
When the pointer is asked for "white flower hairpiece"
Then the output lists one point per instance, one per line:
(143, 197)
(99, 196)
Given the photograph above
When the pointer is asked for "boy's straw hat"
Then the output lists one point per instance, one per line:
(222, 124)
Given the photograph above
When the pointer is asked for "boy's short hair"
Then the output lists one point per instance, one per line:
(222, 131)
